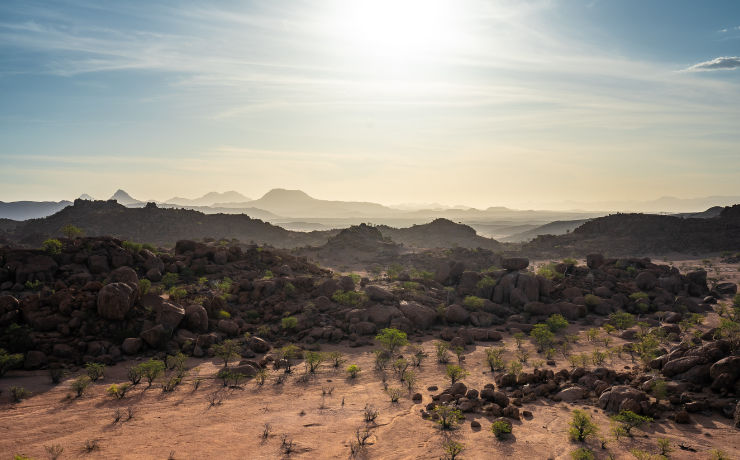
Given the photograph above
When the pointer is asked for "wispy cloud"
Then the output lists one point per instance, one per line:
(720, 63)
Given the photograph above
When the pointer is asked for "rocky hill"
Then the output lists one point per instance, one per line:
(633, 234)
(440, 233)
(22, 210)
(158, 226)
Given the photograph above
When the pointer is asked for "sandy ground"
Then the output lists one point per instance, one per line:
(183, 425)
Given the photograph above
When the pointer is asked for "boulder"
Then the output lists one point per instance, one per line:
(196, 318)
(594, 260)
(515, 263)
(228, 327)
(729, 365)
(131, 345)
(115, 300)
(155, 337)
(645, 281)
(457, 314)
(681, 365)
(34, 360)
(726, 288)
(621, 396)
(124, 275)
(378, 294)
(170, 315)
(381, 315)
(98, 264)
(420, 316)
(572, 394)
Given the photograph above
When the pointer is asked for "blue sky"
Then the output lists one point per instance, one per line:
(519, 103)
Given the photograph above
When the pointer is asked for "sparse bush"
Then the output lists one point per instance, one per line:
(313, 360)
(135, 374)
(174, 380)
(118, 391)
(582, 453)
(395, 394)
(91, 445)
(33, 285)
(665, 446)
(336, 358)
(472, 302)
(170, 279)
(486, 282)
(716, 454)
(556, 322)
(177, 293)
(494, 358)
(382, 357)
(80, 384)
(391, 339)
(592, 301)
(370, 413)
(500, 428)
(417, 355)
(227, 351)
(515, 367)
(442, 348)
(353, 370)
(52, 246)
(133, 248)
(629, 420)
(447, 416)
(399, 367)
(144, 286)
(56, 374)
(550, 272)
(18, 394)
(151, 370)
(286, 355)
(581, 426)
(349, 298)
(452, 449)
(455, 373)
(622, 320)
(54, 451)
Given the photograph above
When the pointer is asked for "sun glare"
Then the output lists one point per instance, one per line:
(397, 29)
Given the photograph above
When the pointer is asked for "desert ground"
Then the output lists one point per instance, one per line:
(321, 414)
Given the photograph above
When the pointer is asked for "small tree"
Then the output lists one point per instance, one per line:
(314, 360)
(80, 384)
(665, 447)
(70, 231)
(582, 453)
(542, 336)
(629, 420)
(52, 246)
(556, 322)
(442, 348)
(118, 391)
(151, 370)
(9, 361)
(452, 449)
(95, 371)
(448, 416)
(494, 359)
(286, 355)
(391, 339)
(227, 351)
(456, 373)
(581, 426)
(289, 323)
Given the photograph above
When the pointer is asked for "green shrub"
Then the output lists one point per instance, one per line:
(118, 391)
(629, 420)
(80, 384)
(500, 428)
(557, 322)
(9, 361)
(353, 370)
(144, 286)
(70, 231)
(227, 351)
(542, 336)
(33, 285)
(582, 453)
(622, 320)
(391, 339)
(550, 272)
(18, 394)
(170, 279)
(133, 248)
(224, 286)
(486, 282)
(177, 293)
(151, 370)
(447, 416)
(290, 322)
(95, 371)
(410, 285)
(570, 261)
(592, 300)
(348, 298)
(52, 246)
(442, 348)
(223, 314)
(494, 358)
(452, 449)
(473, 303)
(313, 360)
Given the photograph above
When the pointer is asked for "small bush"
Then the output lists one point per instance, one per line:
(629, 420)
(441, 349)
(80, 384)
(353, 370)
(500, 428)
(452, 449)
(52, 246)
(290, 322)
(494, 359)
(18, 394)
(54, 451)
(486, 282)
(133, 248)
(542, 336)
(336, 358)
(9, 361)
(592, 300)
(447, 417)
(581, 426)
(135, 373)
(95, 371)
(349, 298)
(550, 272)
(314, 360)
(170, 279)
(144, 286)
(622, 320)
(227, 351)
(582, 453)
(370, 413)
(456, 373)
(151, 370)
(556, 322)
(118, 391)
(472, 302)
(395, 394)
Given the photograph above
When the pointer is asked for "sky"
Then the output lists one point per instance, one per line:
(484, 103)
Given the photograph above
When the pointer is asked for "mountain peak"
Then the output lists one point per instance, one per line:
(85, 196)
(285, 194)
(123, 198)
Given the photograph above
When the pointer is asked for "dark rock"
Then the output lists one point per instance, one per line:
(515, 263)
(131, 345)
(115, 300)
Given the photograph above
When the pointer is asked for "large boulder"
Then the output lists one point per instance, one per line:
(378, 294)
(131, 345)
(681, 365)
(155, 337)
(457, 314)
(515, 263)
(115, 300)
(196, 318)
(594, 260)
(420, 316)
(572, 394)
(170, 315)
(621, 397)
(645, 281)
(124, 275)
(97, 264)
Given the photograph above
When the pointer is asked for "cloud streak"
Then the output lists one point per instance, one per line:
(720, 63)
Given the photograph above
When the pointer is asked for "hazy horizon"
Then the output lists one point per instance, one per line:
(476, 103)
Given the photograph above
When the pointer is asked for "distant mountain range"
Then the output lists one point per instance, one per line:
(23, 210)
(209, 199)
(665, 204)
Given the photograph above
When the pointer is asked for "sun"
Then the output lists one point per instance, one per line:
(396, 29)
